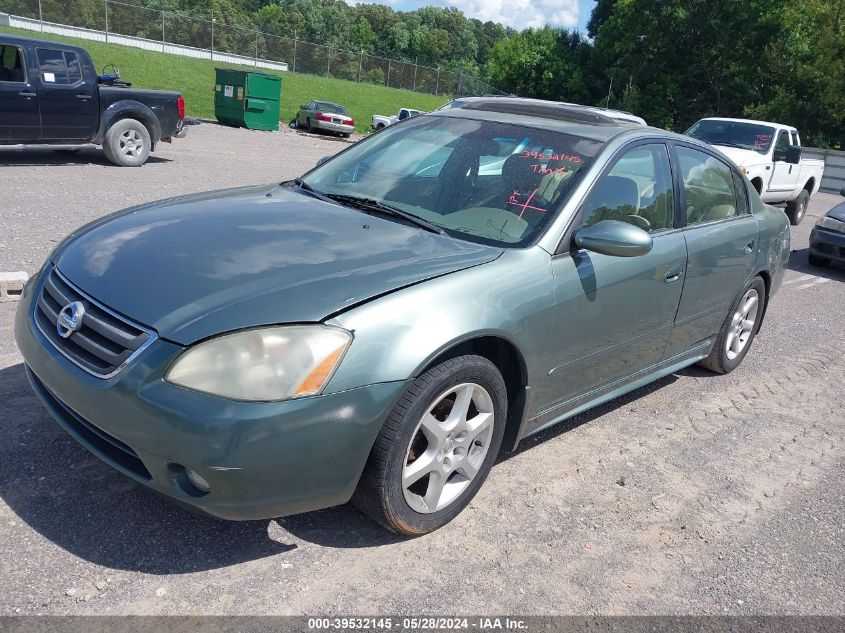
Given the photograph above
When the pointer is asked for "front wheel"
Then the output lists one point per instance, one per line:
(127, 143)
(436, 447)
(795, 209)
(739, 330)
(815, 260)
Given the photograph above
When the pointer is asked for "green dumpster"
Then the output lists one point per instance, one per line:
(247, 99)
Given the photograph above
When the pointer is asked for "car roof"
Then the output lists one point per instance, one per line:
(30, 41)
(582, 121)
(754, 121)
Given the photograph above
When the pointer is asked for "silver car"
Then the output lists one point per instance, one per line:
(326, 116)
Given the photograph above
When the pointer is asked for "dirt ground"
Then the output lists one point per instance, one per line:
(699, 494)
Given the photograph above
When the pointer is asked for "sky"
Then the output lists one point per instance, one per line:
(519, 14)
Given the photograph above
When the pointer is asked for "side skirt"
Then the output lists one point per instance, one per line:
(618, 388)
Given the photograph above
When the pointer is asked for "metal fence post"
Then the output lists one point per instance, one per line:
(212, 35)
(40, 16)
(256, 47)
(360, 64)
(106, 8)
(294, 52)
(416, 64)
(387, 83)
(162, 31)
(460, 81)
(437, 85)
(328, 60)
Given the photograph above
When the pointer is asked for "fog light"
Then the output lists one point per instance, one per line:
(195, 478)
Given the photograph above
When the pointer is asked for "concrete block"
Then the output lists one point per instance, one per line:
(11, 285)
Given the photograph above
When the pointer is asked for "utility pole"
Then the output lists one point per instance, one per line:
(106, 7)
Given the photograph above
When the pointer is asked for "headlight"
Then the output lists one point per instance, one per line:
(273, 363)
(832, 224)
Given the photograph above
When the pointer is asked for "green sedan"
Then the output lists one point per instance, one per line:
(380, 329)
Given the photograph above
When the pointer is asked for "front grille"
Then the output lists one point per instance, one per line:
(104, 343)
(106, 446)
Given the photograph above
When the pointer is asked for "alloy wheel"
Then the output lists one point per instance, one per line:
(131, 143)
(448, 448)
(742, 324)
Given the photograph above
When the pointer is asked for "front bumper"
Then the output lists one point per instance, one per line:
(828, 244)
(261, 460)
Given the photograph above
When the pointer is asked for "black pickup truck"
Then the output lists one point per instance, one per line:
(50, 94)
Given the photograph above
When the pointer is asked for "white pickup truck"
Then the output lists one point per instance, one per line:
(769, 154)
(380, 121)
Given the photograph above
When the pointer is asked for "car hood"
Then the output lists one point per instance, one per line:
(199, 265)
(838, 212)
(741, 156)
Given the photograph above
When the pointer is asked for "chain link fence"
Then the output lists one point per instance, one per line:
(212, 38)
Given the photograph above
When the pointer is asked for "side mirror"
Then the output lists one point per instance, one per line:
(324, 159)
(302, 107)
(793, 155)
(611, 237)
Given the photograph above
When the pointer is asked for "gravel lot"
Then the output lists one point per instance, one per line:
(699, 494)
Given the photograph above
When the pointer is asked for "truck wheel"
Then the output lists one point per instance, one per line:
(380, 126)
(795, 209)
(127, 143)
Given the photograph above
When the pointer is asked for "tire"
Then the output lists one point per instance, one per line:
(411, 436)
(346, 135)
(380, 126)
(736, 336)
(815, 260)
(796, 209)
(127, 143)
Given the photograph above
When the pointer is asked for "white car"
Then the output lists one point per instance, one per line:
(769, 154)
(381, 121)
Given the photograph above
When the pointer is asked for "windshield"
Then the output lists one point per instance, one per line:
(323, 106)
(483, 181)
(740, 134)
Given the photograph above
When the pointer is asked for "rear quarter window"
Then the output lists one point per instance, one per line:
(58, 67)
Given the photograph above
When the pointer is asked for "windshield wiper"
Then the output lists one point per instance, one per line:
(729, 144)
(368, 204)
(310, 190)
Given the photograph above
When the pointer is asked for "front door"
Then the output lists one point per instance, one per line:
(614, 315)
(784, 175)
(68, 97)
(20, 121)
(721, 237)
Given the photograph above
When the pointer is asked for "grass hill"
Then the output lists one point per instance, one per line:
(194, 78)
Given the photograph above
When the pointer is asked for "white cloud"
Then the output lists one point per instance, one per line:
(521, 14)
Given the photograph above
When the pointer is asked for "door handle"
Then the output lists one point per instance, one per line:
(83, 97)
(749, 248)
(26, 93)
(674, 273)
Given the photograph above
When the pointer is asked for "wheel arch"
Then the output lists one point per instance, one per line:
(811, 184)
(757, 183)
(766, 276)
(129, 109)
(508, 359)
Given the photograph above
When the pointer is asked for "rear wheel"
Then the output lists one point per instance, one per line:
(308, 127)
(795, 209)
(815, 260)
(739, 330)
(127, 143)
(436, 447)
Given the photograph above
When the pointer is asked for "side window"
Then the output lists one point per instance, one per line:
(709, 191)
(781, 145)
(741, 194)
(637, 190)
(11, 64)
(58, 67)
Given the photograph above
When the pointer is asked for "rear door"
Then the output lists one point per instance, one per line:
(722, 239)
(784, 175)
(20, 119)
(68, 95)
